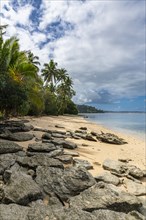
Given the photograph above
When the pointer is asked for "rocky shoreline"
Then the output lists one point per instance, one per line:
(48, 181)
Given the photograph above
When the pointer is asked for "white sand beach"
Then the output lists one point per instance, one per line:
(94, 152)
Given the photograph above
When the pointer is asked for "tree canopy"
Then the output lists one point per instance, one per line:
(23, 90)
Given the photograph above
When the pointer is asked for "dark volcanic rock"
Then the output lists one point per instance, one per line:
(21, 189)
(41, 147)
(110, 138)
(47, 136)
(53, 153)
(71, 153)
(41, 212)
(58, 135)
(80, 132)
(59, 126)
(19, 136)
(66, 159)
(64, 183)
(69, 145)
(104, 197)
(115, 166)
(39, 160)
(56, 132)
(144, 173)
(64, 143)
(135, 188)
(76, 136)
(9, 147)
(89, 137)
(83, 128)
(14, 126)
(94, 133)
(121, 168)
(135, 172)
(6, 161)
(7, 175)
(40, 129)
(82, 163)
(102, 214)
(13, 212)
(108, 178)
(57, 141)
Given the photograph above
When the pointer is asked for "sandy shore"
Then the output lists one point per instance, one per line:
(95, 152)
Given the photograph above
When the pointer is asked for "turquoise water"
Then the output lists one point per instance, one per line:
(132, 123)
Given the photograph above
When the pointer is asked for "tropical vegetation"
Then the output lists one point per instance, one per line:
(88, 109)
(25, 89)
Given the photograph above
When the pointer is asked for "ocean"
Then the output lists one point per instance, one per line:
(131, 123)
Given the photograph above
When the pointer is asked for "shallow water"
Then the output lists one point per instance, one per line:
(131, 123)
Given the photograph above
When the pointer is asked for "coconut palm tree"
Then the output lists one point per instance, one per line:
(50, 74)
(15, 73)
(33, 59)
(65, 92)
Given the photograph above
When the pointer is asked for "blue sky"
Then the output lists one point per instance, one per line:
(100, 43)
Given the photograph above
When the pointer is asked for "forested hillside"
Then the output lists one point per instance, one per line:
(88, 109)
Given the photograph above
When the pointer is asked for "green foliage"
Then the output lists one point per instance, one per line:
(71, 108)
(59, 84)
(33, 59)
(12, 96)
(88, 109)
(50, 102)
(22, 90)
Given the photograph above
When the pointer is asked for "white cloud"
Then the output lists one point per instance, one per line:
(103, 52)
(21, 16)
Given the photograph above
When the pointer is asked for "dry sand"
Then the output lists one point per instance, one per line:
(95, 152)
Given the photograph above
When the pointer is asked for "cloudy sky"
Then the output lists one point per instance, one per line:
(101, 43)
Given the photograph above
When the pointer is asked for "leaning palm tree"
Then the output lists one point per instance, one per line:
(15, 70)
(50, 74)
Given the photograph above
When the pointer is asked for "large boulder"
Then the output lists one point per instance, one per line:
(41, 212)
(53, 153)
(6, 161)
(39, 160)
(115, 166)
(135, 188)
(108, 178)
(9, 147)
(15, 126)
(19, 136)
(69, 145)
(21, 189)
(47, 136)
(64, 143)
(64, 183)
(110, 138)
(123, 168)
(82, 163)
(41, 147)
(13, 212)
(104, 214)
(102, 196)
(135, 171)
